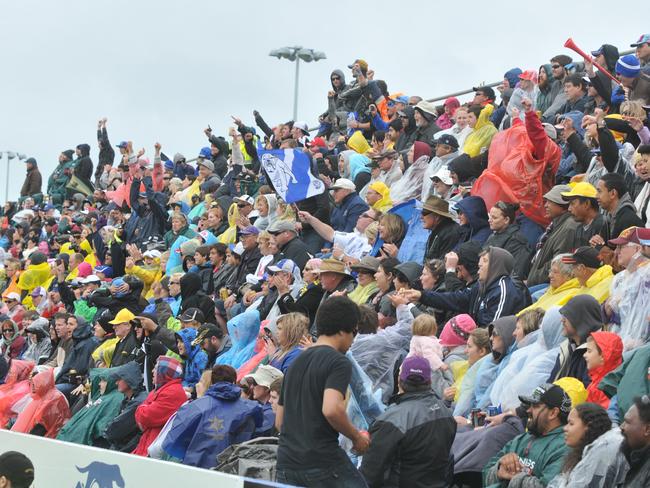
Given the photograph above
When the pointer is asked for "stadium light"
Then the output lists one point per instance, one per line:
(297, 53)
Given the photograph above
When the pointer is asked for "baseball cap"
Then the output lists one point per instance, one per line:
(153, 254)
(123, 145)
(598, 51)
(626, 236)
(585, 255)
(206, 163)
(581, 189)
(485, 90)
(530, 75)
(402, 99)
(555, 194)
(250, 230)
(302, 126)
(447, 139)
(17, 468)
(39, 291)
(343, 184)
(444, 175)
(286, 265)
(550, 395)
(245, 199)
(123, 316)
(415, 369)
(205, 152)
(13, 296)
(281, 226)
(192, 314)
(644, 236)
(363, 64)
(265, 375)
(107, 270)
(90, 279)
(643, 39)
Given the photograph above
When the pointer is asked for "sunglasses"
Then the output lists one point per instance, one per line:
(174, 282)
(4, 331)
(556, 66)
(241, 205)
(368, 216)
(425, 213)
(336, 78)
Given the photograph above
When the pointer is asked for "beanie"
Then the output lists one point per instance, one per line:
(456, 331)
(628, 66)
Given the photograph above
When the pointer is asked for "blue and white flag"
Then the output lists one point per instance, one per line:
(289, 173)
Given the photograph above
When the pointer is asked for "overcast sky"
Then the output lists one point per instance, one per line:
(163, 70)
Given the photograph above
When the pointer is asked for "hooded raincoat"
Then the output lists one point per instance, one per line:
(478, 141)
(84, 343)
(161, 403)
(262, 223)
(243, 330)
(385, 203)
(193, 296)
(195, 357)
(47, 408)
(477, 229)
(16, 386)
(205, 427)
(13, 347)
(611, 349)
(87, 426)
(40, 350)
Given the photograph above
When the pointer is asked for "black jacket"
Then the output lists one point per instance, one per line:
(249, 261)
(307, 303)
(78, 359)
(193, 297)
(145, 221)
(516, 244)
(442, 239)
(411, 443)
(297, 251)
(126, 350)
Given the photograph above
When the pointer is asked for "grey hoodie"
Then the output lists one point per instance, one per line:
(39, 351)
(583, 312)
(501, 264)
(504, 327)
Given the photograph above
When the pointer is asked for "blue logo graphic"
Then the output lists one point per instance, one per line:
(101, 475)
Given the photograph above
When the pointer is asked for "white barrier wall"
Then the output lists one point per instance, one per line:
(64, 465)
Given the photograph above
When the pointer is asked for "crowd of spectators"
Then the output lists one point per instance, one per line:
(467, 303)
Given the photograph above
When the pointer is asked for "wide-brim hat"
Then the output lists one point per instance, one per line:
(368, 263)
(438, 206)
(331, 265)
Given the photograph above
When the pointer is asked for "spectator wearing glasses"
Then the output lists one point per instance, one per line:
(642, 48)
(286, 240)
(12, 343)
(408, 134)
(15, 310)
(557, 94)
(348, 205)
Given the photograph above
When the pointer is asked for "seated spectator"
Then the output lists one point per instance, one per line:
(13, 342)
(366, 288)
(203, 428)
(446, 150)
(128, 345)
(493, 295)
(77, 361)
(473, 219)
(604, 353)
(334, 277)
(627, 307)
(558, 238)
(398, 439)
(445, 233)
(309, 296)
(122, 433)
(618, 207)
(562, 284)
(583, 205)
(261, 382)
(213, 341)
(193, 296)
(194, 358)
(594, 277)
(243, 331)
(575, 90)
(88, 424)
(378, 196)
(483, 130)
(634, 82)
(538, 453)
(460, 130)
(416, 164)
(291, 330)
(391, 231)
(348, 206)
(425, 121)
(381, 302)
(47, 411)
(580, 317)
(636, 442)
(162, 402)
(595, 458)
(286, 240)
(39, 345)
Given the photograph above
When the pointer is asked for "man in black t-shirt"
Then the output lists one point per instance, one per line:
(311, 410)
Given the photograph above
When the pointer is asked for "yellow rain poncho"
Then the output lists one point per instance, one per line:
(385, 204)
(229, 236)
(358, 143)
(479, 139)
(35, 275)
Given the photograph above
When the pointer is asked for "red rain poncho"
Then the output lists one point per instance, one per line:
(48, 407)
(522, 163)
(611, 348)
(16, 386)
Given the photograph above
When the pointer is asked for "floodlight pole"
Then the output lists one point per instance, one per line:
(295, 89)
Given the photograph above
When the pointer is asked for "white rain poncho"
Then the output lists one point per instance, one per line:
(542, 355)
(629, 301)
(518, 359)
(410, 184)
(466, 395)
(378, 353)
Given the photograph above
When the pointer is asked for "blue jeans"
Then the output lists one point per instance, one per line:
(343, 475)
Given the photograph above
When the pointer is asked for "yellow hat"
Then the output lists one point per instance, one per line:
(122, 316)
(574, 388)
(581, 189)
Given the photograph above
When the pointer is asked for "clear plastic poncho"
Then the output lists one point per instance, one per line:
(410, 184)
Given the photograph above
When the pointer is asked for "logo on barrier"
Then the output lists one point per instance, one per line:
(101, 475)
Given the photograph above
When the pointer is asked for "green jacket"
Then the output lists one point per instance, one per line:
(59, 179)
(629, 380)
(89, 423)
(170, 237)
(544, 455)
